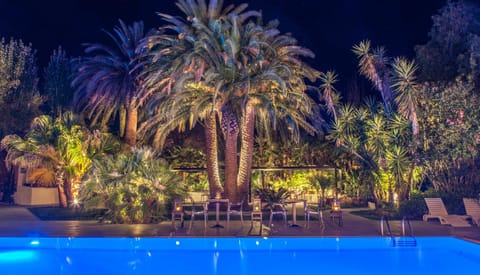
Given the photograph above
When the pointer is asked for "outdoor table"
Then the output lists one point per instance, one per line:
(294, 202)
(217, 211)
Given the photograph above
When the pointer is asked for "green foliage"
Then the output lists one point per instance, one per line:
(451, 136)
(135, 187)
(378, 140)
(272, 195)
(299, 181)
(19, 97)
(189, 157)
(57, 76)
(54, 150)
(453, 48)
(413, 208)
(185, 157)
(107, 82)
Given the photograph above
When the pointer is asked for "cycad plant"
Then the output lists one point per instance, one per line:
(134, 187)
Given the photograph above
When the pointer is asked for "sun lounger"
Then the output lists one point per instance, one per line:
(472, 207)
(437, 210)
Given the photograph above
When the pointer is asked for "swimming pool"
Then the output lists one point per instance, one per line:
(433, 255)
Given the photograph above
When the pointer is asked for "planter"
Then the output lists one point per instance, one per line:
(27, 195)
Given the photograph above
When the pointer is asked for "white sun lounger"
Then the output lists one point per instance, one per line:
(437, 210)
(472, 207)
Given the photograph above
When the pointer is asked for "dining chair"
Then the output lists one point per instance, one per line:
(235, 209)
(199, 209)
(313, 209)
(278, 208)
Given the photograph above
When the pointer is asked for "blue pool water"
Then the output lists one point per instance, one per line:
(438, 255)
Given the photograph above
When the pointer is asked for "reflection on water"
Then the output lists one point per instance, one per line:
(246, 256)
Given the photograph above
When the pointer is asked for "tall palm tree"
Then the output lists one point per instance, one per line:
(272, 89)
(107, 82)
(241, 72)
(192, 64)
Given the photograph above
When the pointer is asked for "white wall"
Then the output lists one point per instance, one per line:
(27, 195)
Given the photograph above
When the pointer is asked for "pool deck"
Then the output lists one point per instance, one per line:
(17, 221)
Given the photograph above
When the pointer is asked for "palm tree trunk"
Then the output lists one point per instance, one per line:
(231, 161)
(60, 178)
(246, 152)
(130, 137)
(68, 190)
(122, 117)
(213, 173)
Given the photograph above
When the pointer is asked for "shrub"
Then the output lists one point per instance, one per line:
(134, 187)
(271, 195)
(414, 208)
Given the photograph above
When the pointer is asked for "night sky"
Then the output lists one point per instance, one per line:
(329, 28)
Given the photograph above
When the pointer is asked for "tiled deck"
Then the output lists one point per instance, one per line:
(18, 221)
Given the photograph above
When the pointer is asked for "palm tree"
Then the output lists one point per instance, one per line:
(192, 65)
(53, 150)
(236, 74)
(107, 82)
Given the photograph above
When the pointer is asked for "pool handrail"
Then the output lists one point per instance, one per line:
(383, 220)
(410, 229)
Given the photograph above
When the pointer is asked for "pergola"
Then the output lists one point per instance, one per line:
(262, 169)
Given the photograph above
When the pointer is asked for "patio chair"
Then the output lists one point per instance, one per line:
(313, 209)
(437, 210)
(472, 207)
(199, 209)
(278, 209)
(235, 209)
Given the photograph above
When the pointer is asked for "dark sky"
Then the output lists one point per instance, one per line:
(328, 27)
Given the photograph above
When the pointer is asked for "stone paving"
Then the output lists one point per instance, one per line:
(18, 221)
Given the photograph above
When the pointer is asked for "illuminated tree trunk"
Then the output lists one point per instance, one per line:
(122, 117)
(230, 131)
(60, 179)
(246, 152)
(130, 137)
(213, 173)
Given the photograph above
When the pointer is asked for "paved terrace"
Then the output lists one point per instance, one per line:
(18, 221)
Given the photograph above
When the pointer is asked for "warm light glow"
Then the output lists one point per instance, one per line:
(217, 196)
(178, 208)
(335, 205)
